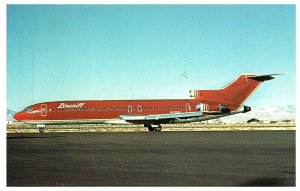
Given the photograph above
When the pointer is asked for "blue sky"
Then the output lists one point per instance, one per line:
(82, 52)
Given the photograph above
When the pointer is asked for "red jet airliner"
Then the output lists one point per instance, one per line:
(203, 105)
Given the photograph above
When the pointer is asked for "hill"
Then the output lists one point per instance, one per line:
(9, 115)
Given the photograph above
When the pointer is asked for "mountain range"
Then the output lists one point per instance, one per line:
(264, 113)
(9, 115)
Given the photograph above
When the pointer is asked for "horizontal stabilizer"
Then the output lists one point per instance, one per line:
(262, 78)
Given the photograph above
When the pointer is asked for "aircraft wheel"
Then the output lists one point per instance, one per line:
(158, 128)
(42, 130)
(155, 128)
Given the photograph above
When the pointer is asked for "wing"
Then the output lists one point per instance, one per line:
(160, 118)
(178, 117)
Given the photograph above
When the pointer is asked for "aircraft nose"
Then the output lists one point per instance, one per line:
(19, 116)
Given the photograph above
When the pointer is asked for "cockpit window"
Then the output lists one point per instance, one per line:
(28, 109)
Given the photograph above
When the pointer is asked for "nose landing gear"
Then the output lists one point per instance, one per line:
(41, 128)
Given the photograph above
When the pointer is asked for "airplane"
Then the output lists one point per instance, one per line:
(202, 105)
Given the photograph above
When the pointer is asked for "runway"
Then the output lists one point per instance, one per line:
(239, 158)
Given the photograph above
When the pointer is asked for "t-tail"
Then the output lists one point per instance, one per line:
(235, 93)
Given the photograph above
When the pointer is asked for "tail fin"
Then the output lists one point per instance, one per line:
(236, 92)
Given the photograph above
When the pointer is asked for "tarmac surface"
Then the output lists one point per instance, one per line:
(239, 158)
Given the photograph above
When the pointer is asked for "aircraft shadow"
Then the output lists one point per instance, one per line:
(265, 181)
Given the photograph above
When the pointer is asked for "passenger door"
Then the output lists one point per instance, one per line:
(43, 109)
(188, 107)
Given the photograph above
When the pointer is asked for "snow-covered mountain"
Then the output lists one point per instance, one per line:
(265, 113)
(289, 108)
(9, 115)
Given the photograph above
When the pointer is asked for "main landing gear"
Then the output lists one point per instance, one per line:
(153, 127)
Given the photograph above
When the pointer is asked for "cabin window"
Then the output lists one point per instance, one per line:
(139, 108)
(129, 108)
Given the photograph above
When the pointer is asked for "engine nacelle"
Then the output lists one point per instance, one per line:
(212, 108)
(247, 109)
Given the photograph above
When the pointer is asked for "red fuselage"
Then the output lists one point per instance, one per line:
(101, 111)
